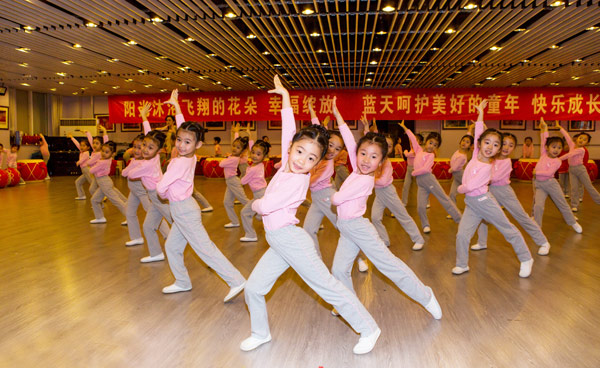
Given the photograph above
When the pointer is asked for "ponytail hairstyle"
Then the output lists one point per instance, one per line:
(111, 145)
(266, 146)
(139, 137)
(157, 137)
(243, 141)
(374, 138)
(436, 136)
(197, 129)
(315, 132)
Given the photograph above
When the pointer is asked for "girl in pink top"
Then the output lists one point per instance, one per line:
(457, 164)
(106, 187)
(427, 183)
(481, 205)
(321, 187)
(11, 159)
(84, 155)
(578, 175)
(527, 149)
(398, 148)
(545, 183)
(45, 153)
(506, 197)
(410, 160)
(177, 185)
(255, 179)
(357, 233)
(232, 180)
(290, 245)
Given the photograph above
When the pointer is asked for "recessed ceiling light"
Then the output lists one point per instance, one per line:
(266, 53)
(315, 34)
(229, 66)
(132, 91)
(592, 28)
(307, 11)
(458, 72)
(83, 88)
(474, 61)
(156, 20)
(373, 62)
(115, 87)
(77, 46)
(128, 80)
(53, 89)
(142, 70)
(554, 84)
(165, 78)
(211, 55)
(189, 39)
(478, 84)
(370, 73)
(422, 62)
(515, 83)
(251, 36)
(594, 83)
(520, 29)
(230, 15)
(578, 60)
(495, 48)
(596, 70)
(93, 81)
(369, 79)
(131, 42)
(549, 71)
(470, 6)
(450, 31)
(218, 82)
(61, 83)
(91, 25)
(490, 78)
(324, 64)
(25, 65)
(575, 77)
(163, 90)
(161, 57)
(62, 74)
(67, 62)
(326, 73)
(449, 79)
(554, 46)
(23, 49)
(148, 85)
(376, 49)
(184, 68)
(105, 92)
(320, 51)
(74, 93)
(525, 61)
(434, 49)
(25, 84)
(113, 60)
(529, 78)
(276, 64)
(102, 72)
(29, 28)
(557, 3)
(388, 9)
(504, 71)
(382, 32)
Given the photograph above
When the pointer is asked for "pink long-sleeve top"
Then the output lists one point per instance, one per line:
(458, 161)
(244, 155)
(386, 175)
(147, 170)
(133, 163)
(341, 159)
(287, 190)
(11, 159)
(351, 199)
(501, 172)
(230, 166)
(410, 157)
(527, 151)
(546, 166)
(320, 175)
(575, 154)
(84, 156)
(94, 156)
(477, 174)
(44, 147)
(423, 162)
(255, 177)
(101, 167)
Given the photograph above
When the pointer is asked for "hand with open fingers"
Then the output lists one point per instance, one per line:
(145, 110)
(173, 99)
(279, 88)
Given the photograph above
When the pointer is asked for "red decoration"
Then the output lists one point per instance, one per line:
(399, 167)
(211, 168)
(3, 178)
(523, 168)
(440, 169)
(592, 170)
(32, 170)
(14, 177)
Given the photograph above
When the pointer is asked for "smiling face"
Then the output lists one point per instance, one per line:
(257, 155)
(489, 147)
(582, 140)
(149, 148)
(508, 145)
(137, 149)
(304, 154)
(369, 158)
(106, 153)
(335, 147)
(186, 143)
(431, 145)
(96, 144)
(554, 149)
(236, 148)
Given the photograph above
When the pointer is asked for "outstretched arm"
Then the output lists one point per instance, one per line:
(347, 136)
(288, 123)
(144, 113)
(173, 100)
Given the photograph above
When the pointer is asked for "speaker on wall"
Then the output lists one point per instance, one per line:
(2, 91)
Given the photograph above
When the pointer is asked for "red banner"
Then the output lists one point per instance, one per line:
(383, 104)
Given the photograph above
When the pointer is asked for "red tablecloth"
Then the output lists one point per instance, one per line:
(211, 168)
(440, 169)
(399, 167)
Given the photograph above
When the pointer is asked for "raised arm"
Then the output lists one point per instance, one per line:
(479, 126)
(411, 137)
(346, 134)
(365, 124)
(313, 116)
(104, 134)
(144, 113)
(75, 141)
(89, 138)
(179, 119)
(543, 137)
(288, 123)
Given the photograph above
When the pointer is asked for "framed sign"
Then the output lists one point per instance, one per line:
(131, 127)
(513, 124)
(273, 124)
(215, 125)
(4, 117)
(582, 125)
(102, 119)
(455, 124)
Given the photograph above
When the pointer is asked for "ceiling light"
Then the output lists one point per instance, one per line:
(529, 78)
(373, 62)
(557, 3)
(490, 78)
(525, 61)
(376, 49)
(315, 34)
(422, 62)
(113, 60)
(102, 72)
(115, 87)
(276, 64)
(25, 65)
(23, 49)
(77, 46)
(596, 70)
(369, 79)
(592, 28)
(320, 51)
(594, 83)
(132, 91)
(183, 84)
(230, 15)
(495, 48)
(29, 28)
(229, 66)
(142, 70)
(370, 73)
(61, 74)
(131, 42)
(388, 9)
(251, 36)
(458, 72)
(184, 68)
(161, 57)
(211, 55)
(148, 85)
(450, 31)
(61, 83)
(449, 79)
(165, 78)
(128, 80)
(470, 6)
(554, 46)
(156, 20)
(74, 93)
(478, 84)
(575, 77)
(25, 84)
(554, 84)
(549, 71)
(324, 64)
(327, 73)
(520, 29)
(163, 90)
(217, 82)
(93, 81)
(307, 11)
(434, 49)
(578, 60)
(474, 61)
(91, 25)
(53, 89)
(83, 88)
(67, 62)
(382, 33)
(189, 39)
(331, 80)
(504, 72)
(515, 83)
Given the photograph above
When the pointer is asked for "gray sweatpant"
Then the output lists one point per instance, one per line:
(85, 176)
(506, 197)
(187, 227)
(456, 181)
(428, 184)
(247, 214)
(406, 185)
(341, 173)
(359, 234)
(563, 180)
(578, 176)
(321, 206)
(156, 219)
(137, 196)
(485, 207)
(291, 246)
(546, 188)
(387, 197)
(106, 188)
(234, 190)
(204, 203)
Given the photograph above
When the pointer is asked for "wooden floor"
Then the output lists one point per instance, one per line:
(73, 295)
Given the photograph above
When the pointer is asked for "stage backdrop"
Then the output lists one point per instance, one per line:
(384, 104)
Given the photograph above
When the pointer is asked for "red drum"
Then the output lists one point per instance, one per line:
(440, 169)
(113, 168)
(32, 170)
(399, 167)
(3, 178)
(14, 177)
(199, 163)
(211, 168)
(269, 168)
(523, 168)
(592, 170)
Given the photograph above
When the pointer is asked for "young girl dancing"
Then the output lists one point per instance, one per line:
(386, 196)
(457, 164)
(291, 246)
(481, 205)
(578, 175)
(357, 233)
(84, 156)
(137, 194)
(545, 184)
(410, 162)
(177, 186)
(255, 178)
(426, 182)
(106, 187)
(321, 188)
(96, 144)
(232, 180)
(506, 197)
(150, 173)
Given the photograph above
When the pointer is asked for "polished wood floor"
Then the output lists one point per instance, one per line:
(73, 295)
